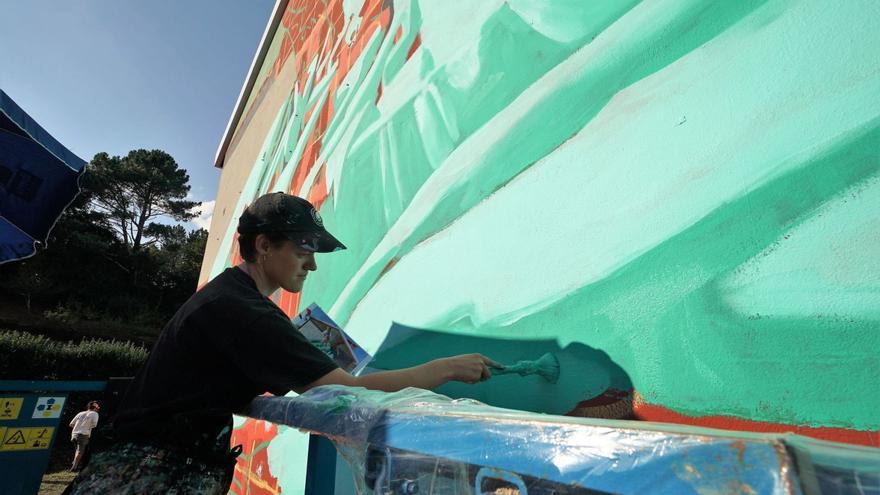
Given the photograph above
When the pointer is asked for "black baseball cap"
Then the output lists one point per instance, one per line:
(291, 215)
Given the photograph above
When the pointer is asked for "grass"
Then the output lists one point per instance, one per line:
(55, 482)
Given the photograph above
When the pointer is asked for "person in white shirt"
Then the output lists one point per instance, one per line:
(82, 425)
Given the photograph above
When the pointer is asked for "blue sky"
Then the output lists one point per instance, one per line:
(117, 75)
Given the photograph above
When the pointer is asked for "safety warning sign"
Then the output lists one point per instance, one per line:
(48, 407)
(27, 438)
(10, 407)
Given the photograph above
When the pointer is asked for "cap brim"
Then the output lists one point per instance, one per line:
(318, 242)
(329, 243)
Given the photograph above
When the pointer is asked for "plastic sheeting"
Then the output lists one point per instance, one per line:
(418, 442)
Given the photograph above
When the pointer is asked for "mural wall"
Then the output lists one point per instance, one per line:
(688, 189)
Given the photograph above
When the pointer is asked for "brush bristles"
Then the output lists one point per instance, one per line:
(548, 367)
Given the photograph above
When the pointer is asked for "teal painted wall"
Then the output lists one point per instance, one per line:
(690, 188)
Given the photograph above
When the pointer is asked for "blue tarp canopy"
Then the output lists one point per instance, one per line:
(38, 179)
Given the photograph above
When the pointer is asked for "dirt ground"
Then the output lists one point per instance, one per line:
(57, 475)
(55, 483)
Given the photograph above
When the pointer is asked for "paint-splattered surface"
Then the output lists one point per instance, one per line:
(690, 188)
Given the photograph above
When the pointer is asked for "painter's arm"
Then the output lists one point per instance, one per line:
(468, 368)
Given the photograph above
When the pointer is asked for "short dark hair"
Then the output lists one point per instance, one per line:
(92, 405)
(248, 250)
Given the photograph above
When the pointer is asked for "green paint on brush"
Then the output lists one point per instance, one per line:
(547, 367)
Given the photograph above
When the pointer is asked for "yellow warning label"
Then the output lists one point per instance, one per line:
(10, 407)
(27, 438)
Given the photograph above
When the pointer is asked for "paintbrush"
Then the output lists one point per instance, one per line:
(546, 366)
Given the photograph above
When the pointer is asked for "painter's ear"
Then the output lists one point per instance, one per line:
(262, 244)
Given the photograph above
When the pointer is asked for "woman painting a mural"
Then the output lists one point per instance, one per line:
(226, 345)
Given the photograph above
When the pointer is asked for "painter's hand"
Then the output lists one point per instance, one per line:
(467, 368)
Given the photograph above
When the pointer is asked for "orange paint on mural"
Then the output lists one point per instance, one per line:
(254, 482)
(649, 412)
(318, 192)
(252, 466)
(388, 266)
(235, 256)
(323, 25)
(273, 180)
(289, 302)
(303, 167)
(417, 42)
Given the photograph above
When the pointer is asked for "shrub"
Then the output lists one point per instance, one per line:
(35, 357)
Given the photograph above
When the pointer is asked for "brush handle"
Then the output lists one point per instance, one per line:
(521, 368)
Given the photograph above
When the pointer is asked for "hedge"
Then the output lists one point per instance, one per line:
(25, 356)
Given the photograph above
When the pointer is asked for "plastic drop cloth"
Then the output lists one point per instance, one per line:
(418, 442)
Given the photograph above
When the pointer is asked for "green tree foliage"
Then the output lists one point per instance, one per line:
(108, 256)
(134, 190)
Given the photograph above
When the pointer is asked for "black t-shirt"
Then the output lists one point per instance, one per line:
(226, 345)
